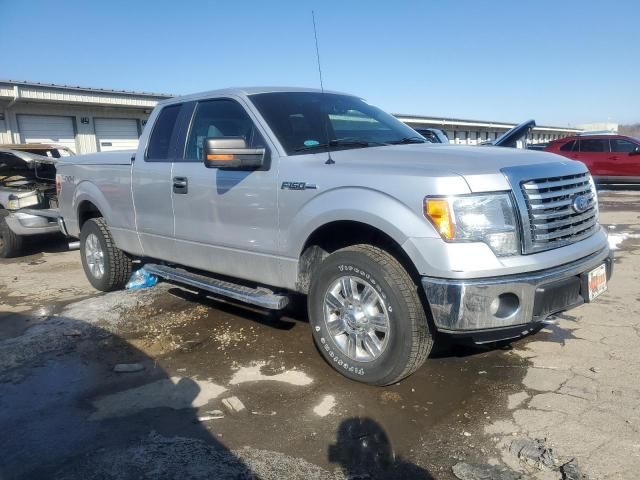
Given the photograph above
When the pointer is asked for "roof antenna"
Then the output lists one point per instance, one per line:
(326, 132)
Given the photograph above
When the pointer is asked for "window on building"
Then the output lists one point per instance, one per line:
(160, 141)
(622, 146)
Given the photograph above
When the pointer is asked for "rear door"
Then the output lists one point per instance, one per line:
(225, 219)
(623, 158)
(151, 184)
(594, 153)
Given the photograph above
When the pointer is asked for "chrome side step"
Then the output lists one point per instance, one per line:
(261, 297)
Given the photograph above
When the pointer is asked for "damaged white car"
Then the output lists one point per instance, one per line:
(28, 198)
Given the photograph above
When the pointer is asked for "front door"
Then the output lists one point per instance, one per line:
(151, 185)
(594, 153)
(225, 220)
(625, 160)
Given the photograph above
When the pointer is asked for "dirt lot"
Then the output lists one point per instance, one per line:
(223, 391)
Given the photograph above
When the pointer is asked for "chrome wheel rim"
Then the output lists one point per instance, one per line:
(357, 319)
(94, 255)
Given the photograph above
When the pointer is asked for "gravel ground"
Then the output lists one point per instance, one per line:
(214, 390)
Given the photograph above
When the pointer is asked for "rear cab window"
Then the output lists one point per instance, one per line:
(160, 142)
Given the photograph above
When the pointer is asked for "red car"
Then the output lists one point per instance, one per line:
(609, 158)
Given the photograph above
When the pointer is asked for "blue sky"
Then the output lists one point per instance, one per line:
(560, 62)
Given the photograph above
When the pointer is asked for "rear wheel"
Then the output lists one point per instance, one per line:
(367, 317)
(10, 243)
(105, 265)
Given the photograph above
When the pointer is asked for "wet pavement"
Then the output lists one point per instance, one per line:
(65, 413)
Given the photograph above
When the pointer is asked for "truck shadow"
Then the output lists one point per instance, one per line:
(52, 243)
(67, 415)
(296, 312)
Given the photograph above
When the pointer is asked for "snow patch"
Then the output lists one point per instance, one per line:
(325, 406)
(254, 373)
(174, 392)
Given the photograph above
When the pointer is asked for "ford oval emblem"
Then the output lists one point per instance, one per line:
(581, 203)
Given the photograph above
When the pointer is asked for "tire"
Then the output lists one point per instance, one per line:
(116, 265)
(10, 243)
(401, 349)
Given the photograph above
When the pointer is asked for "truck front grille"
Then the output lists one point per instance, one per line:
(554, 219)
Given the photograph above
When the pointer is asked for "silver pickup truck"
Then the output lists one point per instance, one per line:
(253, 194)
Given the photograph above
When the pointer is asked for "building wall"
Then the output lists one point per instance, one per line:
(84, 132)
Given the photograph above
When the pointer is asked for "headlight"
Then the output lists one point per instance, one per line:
(15, 202)
(488, 218)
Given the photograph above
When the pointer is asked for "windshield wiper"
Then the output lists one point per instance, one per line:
(406, 140)
(343, 142)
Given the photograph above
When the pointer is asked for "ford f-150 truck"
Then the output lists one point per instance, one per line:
(255, 193)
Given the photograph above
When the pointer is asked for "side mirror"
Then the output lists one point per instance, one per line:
(231, 152)
(635, 152)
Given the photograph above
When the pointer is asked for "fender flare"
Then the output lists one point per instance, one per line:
(375, 208)
(87, 191)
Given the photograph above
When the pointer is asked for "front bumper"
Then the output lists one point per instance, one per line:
(489, 309)
(26, 224)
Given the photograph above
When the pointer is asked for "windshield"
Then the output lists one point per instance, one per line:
(311, 122)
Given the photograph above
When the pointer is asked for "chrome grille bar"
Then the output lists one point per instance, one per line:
(551, 219)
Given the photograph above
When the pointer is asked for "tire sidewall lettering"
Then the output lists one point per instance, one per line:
(327, 344)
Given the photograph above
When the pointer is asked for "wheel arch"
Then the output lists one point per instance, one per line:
(332, 220)
(90, 202)
(338, 234)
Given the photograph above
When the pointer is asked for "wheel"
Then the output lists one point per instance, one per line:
(106, 266)
(366, 316)
(10, 243)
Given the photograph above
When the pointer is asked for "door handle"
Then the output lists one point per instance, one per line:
(180, 185)
(613, 157)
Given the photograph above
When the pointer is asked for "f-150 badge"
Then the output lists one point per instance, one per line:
(298, 186)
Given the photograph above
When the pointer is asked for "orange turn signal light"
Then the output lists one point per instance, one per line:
(221, 156)
(438, 211)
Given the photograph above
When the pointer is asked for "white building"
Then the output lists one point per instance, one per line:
(83, 119)
(93, 119)
(472, 132)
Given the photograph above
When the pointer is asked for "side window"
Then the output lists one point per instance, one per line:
(158, 149)
(567, 147)
(593, 145)
(622, 146)
(219, 119)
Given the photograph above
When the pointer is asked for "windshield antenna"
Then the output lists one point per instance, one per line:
(326, 132)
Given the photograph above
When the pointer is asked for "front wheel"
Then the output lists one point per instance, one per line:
(367, 317)
(10, 243)
(106, 266)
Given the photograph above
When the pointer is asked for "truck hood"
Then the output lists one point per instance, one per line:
(480, 167)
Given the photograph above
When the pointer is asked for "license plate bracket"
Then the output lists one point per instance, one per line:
(596, 282)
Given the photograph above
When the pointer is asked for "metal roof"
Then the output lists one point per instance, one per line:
(464, 122)
(86, 89)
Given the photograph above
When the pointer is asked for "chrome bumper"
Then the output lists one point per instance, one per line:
(26, 224)
(464, 306)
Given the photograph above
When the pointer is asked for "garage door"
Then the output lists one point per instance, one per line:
(47, 129)
(116, 134)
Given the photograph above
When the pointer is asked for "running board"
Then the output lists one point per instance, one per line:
(255, 296)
